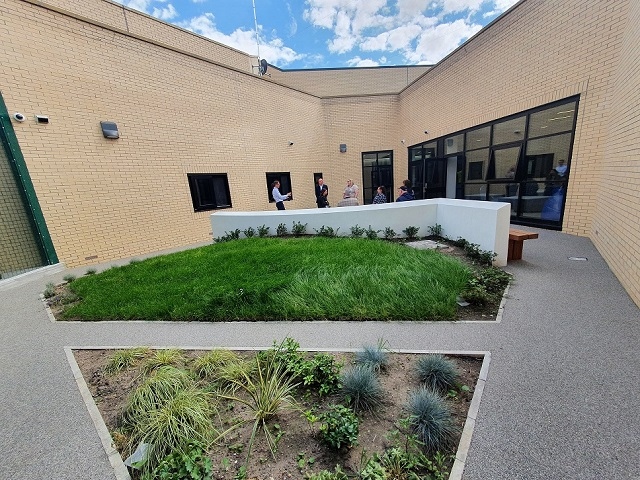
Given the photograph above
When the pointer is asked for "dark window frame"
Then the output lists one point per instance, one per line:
(197, 186)
(285, 184)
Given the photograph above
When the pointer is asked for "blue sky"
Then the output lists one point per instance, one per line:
(332, 33)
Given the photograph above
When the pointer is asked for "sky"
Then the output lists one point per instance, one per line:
(299, 34)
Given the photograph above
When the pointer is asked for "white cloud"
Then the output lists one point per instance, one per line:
(273, 50)
(166, 13)
(198, 1)
(500, 6)
(293, 24)
(437, 42)
(362, 62)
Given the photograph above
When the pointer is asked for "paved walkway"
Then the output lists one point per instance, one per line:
(561, 401)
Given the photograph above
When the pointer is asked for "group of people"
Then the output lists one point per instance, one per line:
(349, 195)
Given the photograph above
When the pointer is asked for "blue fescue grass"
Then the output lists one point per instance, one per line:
(277, 279)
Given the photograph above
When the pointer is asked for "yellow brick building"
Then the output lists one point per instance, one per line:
(199, 128)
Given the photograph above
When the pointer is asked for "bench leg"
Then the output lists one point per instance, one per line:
(515, 249)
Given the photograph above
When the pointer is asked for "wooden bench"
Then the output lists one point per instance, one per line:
(516, 242)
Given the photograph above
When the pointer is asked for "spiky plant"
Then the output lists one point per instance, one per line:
(208, 364)
(360, 387)
(164, 357)
(375, 357)
(185, 416)
(431, 420)
(123, 359)
(156, 390)
(437, 372)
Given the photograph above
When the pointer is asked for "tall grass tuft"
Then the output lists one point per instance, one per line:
(361, 388)
(431, 420)
(161, 358)
(437, 372)
(208, 364)
(122, 359)
(374, 357)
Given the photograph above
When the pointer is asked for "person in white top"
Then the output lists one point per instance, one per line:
(278, 197)
(561, 168)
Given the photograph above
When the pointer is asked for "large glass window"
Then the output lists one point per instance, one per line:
(552, 120)
(477, 164)
(285, 184)
(377, 170)
(478, 138)
(209, 191)
(509, 131)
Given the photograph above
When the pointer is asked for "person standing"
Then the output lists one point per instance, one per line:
(278, 197)
(322, 191)
(380, 197)
(405, 195)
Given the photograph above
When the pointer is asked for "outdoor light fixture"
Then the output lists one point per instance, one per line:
(426, 133)
(343, 147)
(109, 130)
(290, 143)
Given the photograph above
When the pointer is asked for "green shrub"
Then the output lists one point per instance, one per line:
(340, 427)
(299, 228)
(69, 278)
(435, 230)
(371, 234)
(437, 372)
(361, 388)
(338, 474)
(373, 470)
(91, 271)
(281, 230)
(233, 234)
(249, 232)
(327, 231)
(357, 232)
(263, 231)
(187, 463)
(389, 233)
(411, 232)
(431, 420)
(49, 290)
(475, 293)
(494, 280)
(375, 357)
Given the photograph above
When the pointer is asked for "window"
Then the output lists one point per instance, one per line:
(285, 183)
(209, 191)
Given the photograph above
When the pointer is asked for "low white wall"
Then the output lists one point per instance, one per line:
(483, 223)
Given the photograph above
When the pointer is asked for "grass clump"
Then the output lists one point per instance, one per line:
(437, 373)
(122, 359)
(161, 358)
(431, 420)
(49, 290)
(374, 357)
(360, 388)
(209, 364)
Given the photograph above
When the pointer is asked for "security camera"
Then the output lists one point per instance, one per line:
(19, 117)
(290, 143)
(426, 133)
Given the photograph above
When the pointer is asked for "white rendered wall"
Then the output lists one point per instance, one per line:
(482, 223)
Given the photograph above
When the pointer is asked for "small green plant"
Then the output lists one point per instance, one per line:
(435, 230)
(187, 463)
(371, 234)
(494, 280)
(164, 357)
(233, 234)
(340, 427)
(91, 271)
(437, 373)
(327, 231)
(122, 359)
(411, 232)
(483, 257)
(241, 474)
(49, 290)
(373, 469)
(361, 388)
(207, 365)
(304, 462)
(431, 420)
(357, 232)
(263, 231)
(460, 242)
(389, 233)
(375, 357)
(69, 278)
(249, 232)
(281, 230)
(299, 228)
(337, 474)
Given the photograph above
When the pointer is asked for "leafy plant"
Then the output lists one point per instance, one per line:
(327, 231)
(431, 420)
(161, 358)
(69, 278)
(494, 280)
(233, 234)
(373, 469)
(91, 271)
(371, 234)
(49, 290)
(337, 474)
(263, 231)
(361, 388)
(340, 427)
(249, 232)
(375, 357)
(473, 251)
(437, 372)
(357, 232)
(435, 230)
(281, 230)
(389, 233)
(411, 232)
(123, 359)
(187, 463)
(299, 228)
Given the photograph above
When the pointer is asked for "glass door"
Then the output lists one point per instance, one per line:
(377, 170)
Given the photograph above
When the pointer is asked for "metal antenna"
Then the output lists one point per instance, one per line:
(255, 20)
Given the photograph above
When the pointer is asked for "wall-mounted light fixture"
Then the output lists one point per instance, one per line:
(402, 141)
(19, 117)
(290, 143)
(109, 130)
(343, 147)
(426, 132)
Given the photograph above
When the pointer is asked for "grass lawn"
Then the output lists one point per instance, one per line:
(277, 279)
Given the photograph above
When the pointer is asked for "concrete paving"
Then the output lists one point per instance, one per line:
(561, 399)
